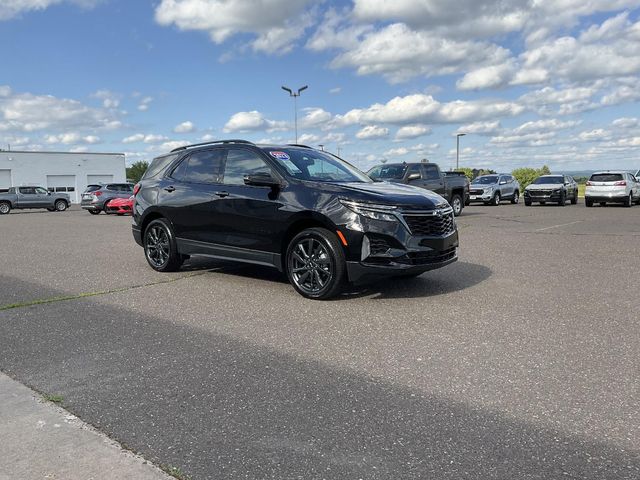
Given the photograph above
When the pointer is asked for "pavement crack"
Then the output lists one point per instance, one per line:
(64, 298)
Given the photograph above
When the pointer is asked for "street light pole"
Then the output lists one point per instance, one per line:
(295, 96)
(458, 149)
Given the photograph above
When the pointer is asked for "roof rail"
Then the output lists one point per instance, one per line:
(211, 143)
(298, 145)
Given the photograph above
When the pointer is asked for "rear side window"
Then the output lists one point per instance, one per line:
(92, 188)
(606, 177)
(113, 187)
(202, 167)
(430, 172)
(27, 190)
(158, 165)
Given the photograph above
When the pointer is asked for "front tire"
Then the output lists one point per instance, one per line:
(516, 197)
(315, 264)
(94, 212)
(5, 207)
(160, 247)
(563, 200)
(456, 204)
(574, 199)
(496, 199)
(527, 203)
(588, 203)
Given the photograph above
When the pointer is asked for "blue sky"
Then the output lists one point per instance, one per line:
(552, 82)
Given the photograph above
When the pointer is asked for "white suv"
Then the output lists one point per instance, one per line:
(612, 187)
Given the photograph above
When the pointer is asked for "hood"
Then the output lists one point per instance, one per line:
(545, 186)
(386, 193)
(480, 186)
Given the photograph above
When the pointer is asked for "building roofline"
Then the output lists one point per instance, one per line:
(63, 153)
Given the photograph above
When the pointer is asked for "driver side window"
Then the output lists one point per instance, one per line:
(241, 162)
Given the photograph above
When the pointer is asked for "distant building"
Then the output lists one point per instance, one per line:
(60, 171)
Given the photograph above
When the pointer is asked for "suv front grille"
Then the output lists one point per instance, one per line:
(476, 191)
(540, 193)
(433, 225)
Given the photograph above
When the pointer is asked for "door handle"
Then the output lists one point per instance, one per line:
(221, 194)
(170, 189)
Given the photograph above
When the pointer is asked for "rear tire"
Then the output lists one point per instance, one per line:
(5, 207)
(456, 204)
(160, 248)
(629, 201)
(315, 264)
(60, 206)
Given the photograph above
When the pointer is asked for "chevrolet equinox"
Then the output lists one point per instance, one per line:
(303, 211)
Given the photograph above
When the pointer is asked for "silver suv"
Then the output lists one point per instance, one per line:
(492, 189)
(94, 200)
(612, 187)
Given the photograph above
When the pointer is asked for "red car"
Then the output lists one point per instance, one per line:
(120, 206)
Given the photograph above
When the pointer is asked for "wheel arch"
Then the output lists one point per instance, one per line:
(302, 221)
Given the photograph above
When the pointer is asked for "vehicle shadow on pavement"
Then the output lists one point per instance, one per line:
(216, 406)
(455, 277)
(458, 276)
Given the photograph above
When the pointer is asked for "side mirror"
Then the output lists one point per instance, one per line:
(413, 176)
(261, 180)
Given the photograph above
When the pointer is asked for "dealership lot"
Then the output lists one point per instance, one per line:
(518, 361)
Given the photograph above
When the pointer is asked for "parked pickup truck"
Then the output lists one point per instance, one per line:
(33, 197)
(453, 186)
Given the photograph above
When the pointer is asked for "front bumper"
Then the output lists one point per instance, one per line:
(379, 249)
(480, 197)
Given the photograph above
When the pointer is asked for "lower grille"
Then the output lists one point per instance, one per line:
(434, 225)
(427, 258)
(378, 246)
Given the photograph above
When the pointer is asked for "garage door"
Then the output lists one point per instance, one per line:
(91, 179)
(63, 183)
(5, 179)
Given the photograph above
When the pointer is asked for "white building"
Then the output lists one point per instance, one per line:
(60, 171)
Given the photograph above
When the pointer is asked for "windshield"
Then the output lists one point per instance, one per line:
(387, 171)
(548, 180)
(486, 180)
(309, 164)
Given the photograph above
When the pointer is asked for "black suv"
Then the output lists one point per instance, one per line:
(300, 210)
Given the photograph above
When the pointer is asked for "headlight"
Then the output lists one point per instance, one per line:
(375, 212)
(488, 189)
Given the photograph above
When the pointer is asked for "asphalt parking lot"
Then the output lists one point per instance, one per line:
(519, 361)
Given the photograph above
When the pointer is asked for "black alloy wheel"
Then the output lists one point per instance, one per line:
(316, 265)
(160, 247)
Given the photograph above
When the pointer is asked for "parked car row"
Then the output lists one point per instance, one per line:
(109, 198)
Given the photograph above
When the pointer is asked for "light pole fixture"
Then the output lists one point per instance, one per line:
(295, 96)
(458, 149)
